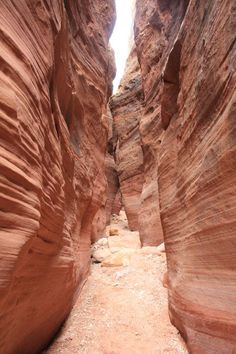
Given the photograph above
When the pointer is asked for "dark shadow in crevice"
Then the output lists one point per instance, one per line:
(171, 86)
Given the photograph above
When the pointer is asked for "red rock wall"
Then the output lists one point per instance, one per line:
(156, 25)
(113, 185)
(117, 204)
(55, 81)
(126, 108)
(111, 204)
(188, 131)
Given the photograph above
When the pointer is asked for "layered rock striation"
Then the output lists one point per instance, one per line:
(187, 54)
(173, 138)
(55, 78)
(155, 29)
(126, 108)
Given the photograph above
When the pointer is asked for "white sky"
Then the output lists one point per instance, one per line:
(121, 36)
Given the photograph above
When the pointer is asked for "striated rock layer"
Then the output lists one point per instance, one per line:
(126, 108)
(55, 78)
(187, 53)
(152, 31)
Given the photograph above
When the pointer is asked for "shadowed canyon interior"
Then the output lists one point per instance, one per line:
(163, 148)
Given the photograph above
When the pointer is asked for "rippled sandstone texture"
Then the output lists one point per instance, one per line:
(150, 45)
(55, 81)
(126, 108)
(189, 132)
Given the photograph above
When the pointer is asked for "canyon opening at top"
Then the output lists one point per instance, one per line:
(122, 36)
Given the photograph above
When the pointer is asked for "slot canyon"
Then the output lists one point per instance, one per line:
(117, 208)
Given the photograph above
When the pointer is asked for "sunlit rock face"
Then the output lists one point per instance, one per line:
(55, 78)
(187, 54)
(126, 108)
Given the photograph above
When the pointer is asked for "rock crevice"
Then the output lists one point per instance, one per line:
(126, 108)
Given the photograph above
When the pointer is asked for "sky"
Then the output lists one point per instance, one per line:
(121, 36)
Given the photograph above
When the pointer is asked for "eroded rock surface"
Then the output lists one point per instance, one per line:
(110, 202)
(126, 107)
(156, 25)
(174, 144)
(55, 82)
(187, 53)
(113, 204)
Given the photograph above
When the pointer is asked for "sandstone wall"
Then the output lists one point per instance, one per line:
(111, 201)
(155, 28)
(126, 108)
(55, 78)
(188, 62)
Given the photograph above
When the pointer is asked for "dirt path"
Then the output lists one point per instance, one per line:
(122, 310)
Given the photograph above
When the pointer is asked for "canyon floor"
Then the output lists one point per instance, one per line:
(122, 310)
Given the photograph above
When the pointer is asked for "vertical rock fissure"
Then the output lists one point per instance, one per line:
(171, 86)
(126, 109)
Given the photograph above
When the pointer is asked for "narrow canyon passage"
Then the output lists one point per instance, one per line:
(122, 309)
(105, 184)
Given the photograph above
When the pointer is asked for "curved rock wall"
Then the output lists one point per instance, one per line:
(55, 78)
(187, 54)
(155, 29)
(126, 108)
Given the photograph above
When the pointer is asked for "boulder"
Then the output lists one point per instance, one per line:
(113, 232)
(100, 254)
(119, 259)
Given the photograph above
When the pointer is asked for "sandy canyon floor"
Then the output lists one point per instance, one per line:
(122, 309)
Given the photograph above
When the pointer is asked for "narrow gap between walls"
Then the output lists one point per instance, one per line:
(122, 37)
